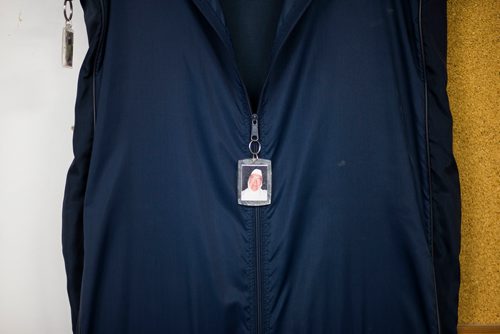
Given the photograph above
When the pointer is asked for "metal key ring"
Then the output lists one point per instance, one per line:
(250, 147)
(65, 10)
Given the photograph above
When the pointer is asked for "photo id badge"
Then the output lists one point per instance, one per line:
(254, 182)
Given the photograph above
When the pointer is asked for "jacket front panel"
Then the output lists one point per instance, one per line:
(347, 237)
(346, 245)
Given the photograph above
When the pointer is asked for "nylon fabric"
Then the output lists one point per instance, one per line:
(362, 234)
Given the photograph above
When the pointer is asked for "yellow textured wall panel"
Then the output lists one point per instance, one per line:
(473, 89)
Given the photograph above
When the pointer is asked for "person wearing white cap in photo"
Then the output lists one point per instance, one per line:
(254, 191)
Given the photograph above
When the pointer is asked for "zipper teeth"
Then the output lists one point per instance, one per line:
(258, 292)
(431, 237)
(274, 56)
(258, 271)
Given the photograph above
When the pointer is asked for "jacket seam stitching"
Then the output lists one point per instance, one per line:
(428, 158)
(96, 61)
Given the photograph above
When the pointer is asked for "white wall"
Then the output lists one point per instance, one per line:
(37, 98)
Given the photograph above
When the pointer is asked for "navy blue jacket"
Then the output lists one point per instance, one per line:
(362, 234)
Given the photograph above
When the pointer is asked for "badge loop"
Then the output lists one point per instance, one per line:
(65, 10)
(254, 153)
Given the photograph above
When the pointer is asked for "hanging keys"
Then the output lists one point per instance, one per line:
(67, 36)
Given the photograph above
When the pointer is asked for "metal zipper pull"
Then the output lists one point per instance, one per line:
(254, 137)
(255, 127)
(68, 36)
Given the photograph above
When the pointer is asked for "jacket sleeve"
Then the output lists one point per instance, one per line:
(444, 179)
(76, 178)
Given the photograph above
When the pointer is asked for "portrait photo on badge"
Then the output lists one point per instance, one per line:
(254, 182)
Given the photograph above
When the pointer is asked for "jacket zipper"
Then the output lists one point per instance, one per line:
(422, 54)
(257, 228)
(258, 285)
(254, 134)
(255, 130)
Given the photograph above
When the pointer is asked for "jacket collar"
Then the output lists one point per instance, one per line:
(290, 14)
